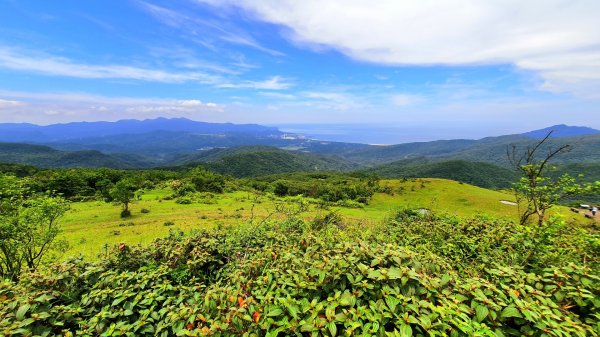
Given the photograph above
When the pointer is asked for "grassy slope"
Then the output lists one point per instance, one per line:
(90, 225)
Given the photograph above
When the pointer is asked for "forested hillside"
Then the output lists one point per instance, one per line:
(474, 173)
(45, 156)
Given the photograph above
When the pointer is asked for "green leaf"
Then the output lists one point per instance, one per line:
(405, 331)
(510, 311)
(332, 328)
(395, 273)
(22, 311)
(293, 309)
(275, 311)
(445, 279)
(308, 327)
(481, 312)
(347, 299)
(374, 274)
(391, 302)
(148, 328)
(118, 300)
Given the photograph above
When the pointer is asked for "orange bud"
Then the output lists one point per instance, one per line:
(241, 302)
(256, 316)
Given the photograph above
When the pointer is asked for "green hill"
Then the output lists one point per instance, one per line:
(493, 150)
(474, 173)
(44, 156)
(257, 161)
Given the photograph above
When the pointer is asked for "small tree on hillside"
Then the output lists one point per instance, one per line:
(28, 227)
(535, 191)
(123, 192)
(207, 181)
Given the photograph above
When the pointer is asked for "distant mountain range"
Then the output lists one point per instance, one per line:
(561, 130)
(254, 150)
(78, 131)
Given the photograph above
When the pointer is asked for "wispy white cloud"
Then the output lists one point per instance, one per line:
(186, 58)
(62, 107)
(559, 40)
(330, 100)
(273, 83)
(278, 95)
(6, 103)
(205, 31)
(60, 66)
(170, 106)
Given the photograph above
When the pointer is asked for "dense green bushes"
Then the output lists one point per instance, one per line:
(328, 187)
(82, 183)
(88, 184)
(408, 277)
(473, 244)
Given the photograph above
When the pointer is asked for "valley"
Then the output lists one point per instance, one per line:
(90, 226)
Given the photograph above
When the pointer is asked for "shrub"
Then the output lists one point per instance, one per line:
(245, 281)
(183, 201)
(125, 213)
(144, 210)
(323, 221)
(207, 181)
(458, 278)
(168, 223)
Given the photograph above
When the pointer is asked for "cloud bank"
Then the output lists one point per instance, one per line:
(558, 40)
(48, 108)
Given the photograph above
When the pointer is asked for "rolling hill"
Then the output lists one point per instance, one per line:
(235, 149)
(490, 150)
(254, 161)
(474, 173)
(44, 156)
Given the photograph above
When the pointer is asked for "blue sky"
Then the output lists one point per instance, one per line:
(442, 69)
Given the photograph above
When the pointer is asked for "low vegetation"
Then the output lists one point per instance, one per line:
(246, 280)
(305, 254)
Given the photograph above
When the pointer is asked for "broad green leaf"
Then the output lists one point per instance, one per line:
(293, 309)
(405, 330)
(275, 311)
(395, 273)
(481, 312)
(22, 311)
(347, 299)
(308, 327)
(510, 311)
(332, 328)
